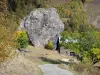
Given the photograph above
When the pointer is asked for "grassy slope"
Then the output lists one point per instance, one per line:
(27, 62)
(42, 56)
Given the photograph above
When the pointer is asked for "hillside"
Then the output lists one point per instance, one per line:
(58, 2)
(58, 32)
(27, 63)
(93, 11)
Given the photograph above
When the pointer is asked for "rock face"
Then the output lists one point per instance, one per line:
(42, 25)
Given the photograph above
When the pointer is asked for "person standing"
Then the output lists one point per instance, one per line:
(58, 45)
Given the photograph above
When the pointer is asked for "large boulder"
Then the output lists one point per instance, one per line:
(42, 25)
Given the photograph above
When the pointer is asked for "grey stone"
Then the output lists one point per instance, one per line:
(42, 25)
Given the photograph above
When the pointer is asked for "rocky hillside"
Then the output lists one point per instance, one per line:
(93, 11)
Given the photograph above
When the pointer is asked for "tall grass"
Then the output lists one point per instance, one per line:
(85, 68)
(7, 27)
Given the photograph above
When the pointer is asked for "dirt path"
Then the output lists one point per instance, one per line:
(51, 69)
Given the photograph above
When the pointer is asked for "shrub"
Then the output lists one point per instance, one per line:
(78, 67)
(85, 68)
(41, 3)
(21, 39)
(95, 54)
(49, 45)
(68, 13)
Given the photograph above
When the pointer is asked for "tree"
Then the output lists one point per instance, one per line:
(12, 5)
(3, 5)
(83, 1)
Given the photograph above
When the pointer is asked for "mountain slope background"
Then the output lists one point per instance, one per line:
(93, 12)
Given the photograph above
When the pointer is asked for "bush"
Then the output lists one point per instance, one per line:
(68, 13)
(49, 45)
(21, 39)
(41, 3)
(78, 67)
(95, 54)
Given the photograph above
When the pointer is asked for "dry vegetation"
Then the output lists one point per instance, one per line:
(58, 2)
(19, 66)
(26, 62)
(6, 43)
(81, 68)
(3, 5)
(42, 56)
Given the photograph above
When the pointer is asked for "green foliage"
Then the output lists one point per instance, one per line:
(21, 39)
(23, 7)
(61, 11)
(74, 12)
(42, 3)
(88, 44)
(87, 40)
(95, 54)
(49, 45)
(97, 37)
(20, 8)
(73, 39)
(26, 5)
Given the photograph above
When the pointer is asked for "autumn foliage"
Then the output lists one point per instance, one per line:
(21, 39)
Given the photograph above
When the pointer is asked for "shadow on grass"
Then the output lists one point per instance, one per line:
(48, 60)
